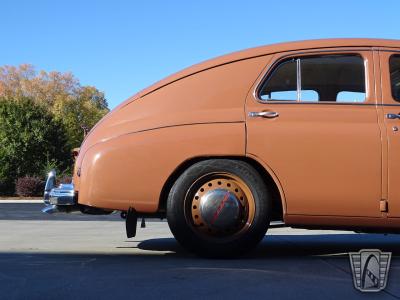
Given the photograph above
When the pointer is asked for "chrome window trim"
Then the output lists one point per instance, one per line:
(329, 103)
(394, 50)
(274, 102)
(298, 77)
(270, 68)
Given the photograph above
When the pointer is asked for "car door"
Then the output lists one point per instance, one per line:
(312, 119)
(390, 118)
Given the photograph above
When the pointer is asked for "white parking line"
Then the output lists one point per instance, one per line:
(20, 201)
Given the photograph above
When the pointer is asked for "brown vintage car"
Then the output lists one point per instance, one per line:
(306, 133)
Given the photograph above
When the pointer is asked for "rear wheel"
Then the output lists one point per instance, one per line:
(219, 208)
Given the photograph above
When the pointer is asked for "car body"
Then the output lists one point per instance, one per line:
(318, 120)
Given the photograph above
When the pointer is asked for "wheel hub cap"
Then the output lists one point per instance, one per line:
(222, 206)
(220, 209)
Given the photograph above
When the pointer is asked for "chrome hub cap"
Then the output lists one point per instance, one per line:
(220, 209)
(221, 205)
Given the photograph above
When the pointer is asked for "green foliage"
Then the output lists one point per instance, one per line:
(77, 107)
(81, 113)
(43, 116)
(31, 141)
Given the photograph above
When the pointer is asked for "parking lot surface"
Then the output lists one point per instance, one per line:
(89, 257)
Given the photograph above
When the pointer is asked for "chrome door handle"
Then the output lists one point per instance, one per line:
(264, 114)
(393, 116)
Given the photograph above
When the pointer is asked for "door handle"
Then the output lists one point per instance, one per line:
(393, 116)
(264, 114)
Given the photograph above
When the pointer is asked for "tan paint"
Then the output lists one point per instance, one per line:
(384, 152)
(274, 178)
(340, 222)
(131, 169)
(127, 159)
(328, 160)
(315, 148)
(216, 95)
(392, 138)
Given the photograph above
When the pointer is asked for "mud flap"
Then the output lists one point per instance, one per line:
(131, 222)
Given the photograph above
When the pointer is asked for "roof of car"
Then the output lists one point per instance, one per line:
(269, 49)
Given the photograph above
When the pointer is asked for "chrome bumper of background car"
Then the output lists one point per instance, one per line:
(59, 199)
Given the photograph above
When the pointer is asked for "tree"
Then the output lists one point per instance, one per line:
(79, 114)
(77, 107)
(31, 141)
(43, 87)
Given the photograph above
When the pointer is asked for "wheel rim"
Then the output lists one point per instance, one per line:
(220, 206)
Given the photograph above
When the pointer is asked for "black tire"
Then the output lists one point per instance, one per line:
(186, 233)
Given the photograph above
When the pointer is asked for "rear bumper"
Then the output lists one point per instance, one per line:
(59, 199)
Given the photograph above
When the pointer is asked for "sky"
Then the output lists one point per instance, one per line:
(121, 47)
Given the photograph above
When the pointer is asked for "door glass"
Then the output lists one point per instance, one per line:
(306, 95)
(333, 78)
(309, 95)
(281, 95)
(350, 97)
(394, 67)
(331, 75)
(281, 85)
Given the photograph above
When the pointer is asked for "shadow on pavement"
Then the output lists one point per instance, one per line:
(282, 267)
(299, 245)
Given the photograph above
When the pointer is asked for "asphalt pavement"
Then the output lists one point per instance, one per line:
(89, 257)
(32, 211)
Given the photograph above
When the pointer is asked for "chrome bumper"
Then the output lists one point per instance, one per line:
(59, 199)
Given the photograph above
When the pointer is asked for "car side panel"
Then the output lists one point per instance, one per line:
(327, 156)
(130, 170)
(214, 95)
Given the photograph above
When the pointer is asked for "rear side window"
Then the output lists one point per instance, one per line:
(394, 68)
(282, 84)
(334, 78)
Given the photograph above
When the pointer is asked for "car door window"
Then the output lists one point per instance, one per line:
(282, 84)
(327, 78)
(394, 68)
(348, 97)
